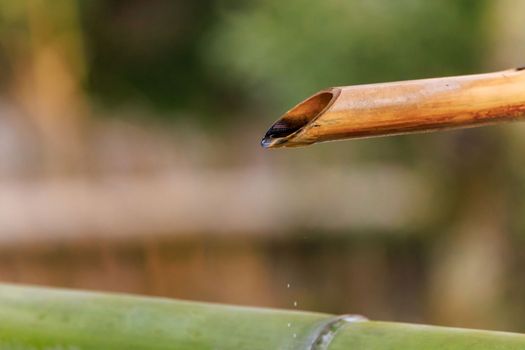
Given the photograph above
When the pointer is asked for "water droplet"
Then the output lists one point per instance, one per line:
(295, 303)
(295, 335)
(288, 285)
(289, 325)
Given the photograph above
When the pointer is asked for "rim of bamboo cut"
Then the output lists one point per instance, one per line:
(41, 318)
(401, 107)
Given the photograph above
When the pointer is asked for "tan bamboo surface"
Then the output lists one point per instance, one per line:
(401, 108)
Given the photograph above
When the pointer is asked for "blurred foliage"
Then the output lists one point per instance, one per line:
(147, 51)
(294, 48)
(213, 57)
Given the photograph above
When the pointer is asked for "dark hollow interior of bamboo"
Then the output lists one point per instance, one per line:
(296, 118)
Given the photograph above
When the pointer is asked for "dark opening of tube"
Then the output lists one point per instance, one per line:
(296, 118)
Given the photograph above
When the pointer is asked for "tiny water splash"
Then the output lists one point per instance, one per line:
(289, 324)
(329, 330)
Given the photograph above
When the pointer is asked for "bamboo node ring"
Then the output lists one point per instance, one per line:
(328, 330)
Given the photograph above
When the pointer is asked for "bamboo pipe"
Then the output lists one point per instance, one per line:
(41, 318)
(401, 108)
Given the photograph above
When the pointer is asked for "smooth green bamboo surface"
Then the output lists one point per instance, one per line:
(401, 336)
(50, 319)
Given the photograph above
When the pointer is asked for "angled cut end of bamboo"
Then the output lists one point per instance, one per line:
(400, 108)
(282, 132)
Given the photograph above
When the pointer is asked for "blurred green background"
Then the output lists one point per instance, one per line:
(130, 157)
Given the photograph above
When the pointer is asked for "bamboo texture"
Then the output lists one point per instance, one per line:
(40, 318)
(401, 107)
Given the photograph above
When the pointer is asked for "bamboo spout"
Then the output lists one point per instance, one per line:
(401, 108)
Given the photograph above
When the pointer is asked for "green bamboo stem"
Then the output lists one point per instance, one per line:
(400, 336)
(51, 319)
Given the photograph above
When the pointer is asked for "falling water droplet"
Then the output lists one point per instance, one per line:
(295, 303)
(288, 285)
(289, 325)
(295, 335)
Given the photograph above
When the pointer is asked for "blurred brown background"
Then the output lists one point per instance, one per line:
(129, 158)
